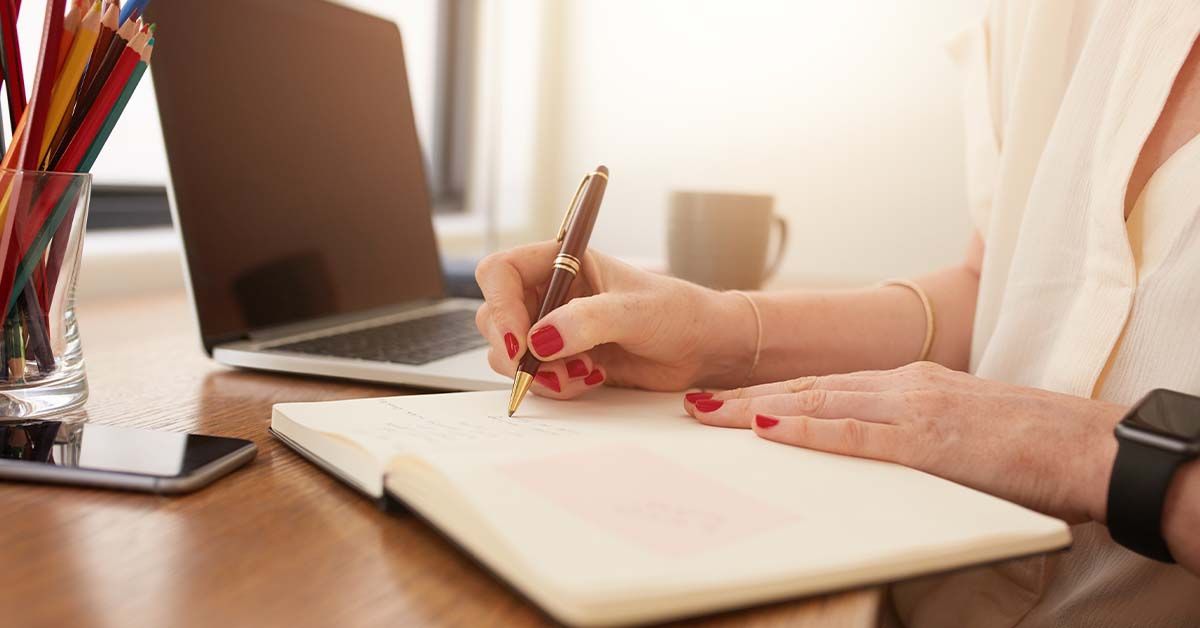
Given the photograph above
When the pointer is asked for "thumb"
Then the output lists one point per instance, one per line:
(581, 324)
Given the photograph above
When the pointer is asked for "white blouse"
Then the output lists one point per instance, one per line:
(1061, 95)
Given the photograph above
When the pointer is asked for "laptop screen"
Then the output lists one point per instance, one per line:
(298, 180)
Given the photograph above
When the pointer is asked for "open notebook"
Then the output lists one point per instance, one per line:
(619, 508)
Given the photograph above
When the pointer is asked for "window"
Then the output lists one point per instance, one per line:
(129, 179)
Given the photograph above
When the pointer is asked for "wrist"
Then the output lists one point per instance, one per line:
(1102, 457)
(729, 339)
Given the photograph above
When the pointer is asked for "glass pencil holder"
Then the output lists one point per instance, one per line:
(42, 215)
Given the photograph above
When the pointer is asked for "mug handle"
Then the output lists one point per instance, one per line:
(773, 267)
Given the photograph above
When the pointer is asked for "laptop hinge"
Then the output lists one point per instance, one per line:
(267, 334)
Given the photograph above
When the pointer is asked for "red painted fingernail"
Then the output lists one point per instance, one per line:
(708, 405)
(510, 344)
(546, 341)
(765, 421)
(693, 397)
(576, 368)
(593, 378)
(549, 380)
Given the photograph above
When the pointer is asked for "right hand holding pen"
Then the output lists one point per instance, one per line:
(623, 325)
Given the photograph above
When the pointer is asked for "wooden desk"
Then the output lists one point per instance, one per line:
(278, 543)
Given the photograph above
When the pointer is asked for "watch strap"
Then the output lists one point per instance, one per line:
(1136, 494)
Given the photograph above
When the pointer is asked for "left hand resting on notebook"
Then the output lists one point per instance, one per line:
(1047, 451)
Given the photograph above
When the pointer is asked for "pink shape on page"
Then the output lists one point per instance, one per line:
(647, 499)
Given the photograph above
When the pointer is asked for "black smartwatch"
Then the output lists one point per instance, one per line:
(1158, 435)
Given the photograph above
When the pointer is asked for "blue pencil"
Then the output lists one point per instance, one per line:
(133, 8)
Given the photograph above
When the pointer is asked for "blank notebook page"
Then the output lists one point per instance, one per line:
(621, 494)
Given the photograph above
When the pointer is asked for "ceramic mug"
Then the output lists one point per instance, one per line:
(721, 240)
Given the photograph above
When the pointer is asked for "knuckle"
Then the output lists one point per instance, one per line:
(494, 361)
(918, 373)
(801, 384)
(589, 321)
(911, 367)
(813, 401)
(481, 318)
(485, 266)
(927, 368)
(854, 436)
(802, 431)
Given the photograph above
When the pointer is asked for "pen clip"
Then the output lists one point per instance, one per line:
(562, 229)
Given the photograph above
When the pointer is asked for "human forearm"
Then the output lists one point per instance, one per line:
(813, 333)
(808, 333)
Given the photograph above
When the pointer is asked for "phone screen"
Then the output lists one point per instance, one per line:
(110, 448)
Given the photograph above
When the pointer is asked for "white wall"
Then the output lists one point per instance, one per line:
(848, 112)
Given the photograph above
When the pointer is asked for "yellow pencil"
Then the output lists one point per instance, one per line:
(9, 162)
(72, 71)
(97, 70)
(70, 27)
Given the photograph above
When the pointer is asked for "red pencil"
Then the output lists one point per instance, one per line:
(90, 127)
(52, 28)
(83, 138)
(90, 86)
(14, 77)
(43, 82)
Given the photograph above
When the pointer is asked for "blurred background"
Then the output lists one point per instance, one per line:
(848, 113)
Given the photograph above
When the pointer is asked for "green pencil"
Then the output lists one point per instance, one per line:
(109, 123)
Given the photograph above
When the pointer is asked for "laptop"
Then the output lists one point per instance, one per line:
(298, 189)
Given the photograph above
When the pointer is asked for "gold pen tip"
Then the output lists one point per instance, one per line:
(521, 384)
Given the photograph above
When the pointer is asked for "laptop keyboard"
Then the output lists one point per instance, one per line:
(413, 341)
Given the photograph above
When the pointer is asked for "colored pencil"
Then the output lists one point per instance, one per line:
(90, 128)
(73, 156)
(106, 99)
(14, 338)
(28, 148)
(60, 220)
(70, 28)
(87, 72)
(16, 11)
(108, 30)
(43, 83)
(111, 122)
(124, 35)
(133, 8)
(14, 79)
(68, 80)
(88, 92)
(36, 322)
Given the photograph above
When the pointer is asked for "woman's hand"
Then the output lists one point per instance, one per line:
(622, 325)
(1047, 451)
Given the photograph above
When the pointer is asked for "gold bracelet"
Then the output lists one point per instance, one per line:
(925, 303)
(758, 325)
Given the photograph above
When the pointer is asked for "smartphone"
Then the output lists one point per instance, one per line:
(107, 456)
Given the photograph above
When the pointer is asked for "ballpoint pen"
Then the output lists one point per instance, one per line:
(573, 234)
